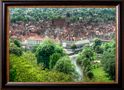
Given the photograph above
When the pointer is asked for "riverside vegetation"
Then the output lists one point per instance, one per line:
(48, 61)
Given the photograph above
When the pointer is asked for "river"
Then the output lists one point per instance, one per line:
(77, 67)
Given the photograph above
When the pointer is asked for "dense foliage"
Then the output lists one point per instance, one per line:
(15, 48)
(97, 45)
(45, 50)
(108, 59)
(17, 43)
(53, 59)
(48, 61)
(24, 68)
(85, 59)
(73, 14)
(64, 65)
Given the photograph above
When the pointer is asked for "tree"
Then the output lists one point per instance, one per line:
(17, 43)
(15, 47)
(97, 45)
(99, 49)
(15, 50)
(35, 48)
(108, 59)
(53, 59)
(64, 65)
(86, 14)
(23, 69)
(85, 59)
(45, 50)
(59, 49)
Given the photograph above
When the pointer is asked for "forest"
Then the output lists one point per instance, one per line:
(62, 44)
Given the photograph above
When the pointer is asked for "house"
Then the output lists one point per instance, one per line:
(31, 41)
(79, 44)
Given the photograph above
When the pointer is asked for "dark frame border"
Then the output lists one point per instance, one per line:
(5, 4)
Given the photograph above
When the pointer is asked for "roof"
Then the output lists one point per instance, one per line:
(35, 38)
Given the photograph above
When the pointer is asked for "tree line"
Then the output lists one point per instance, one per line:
(71, 14)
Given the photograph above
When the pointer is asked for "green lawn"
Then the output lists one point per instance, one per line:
(99, 76)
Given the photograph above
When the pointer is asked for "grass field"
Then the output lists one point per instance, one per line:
(99, 76)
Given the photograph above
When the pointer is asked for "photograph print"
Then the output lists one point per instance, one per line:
(62, 44)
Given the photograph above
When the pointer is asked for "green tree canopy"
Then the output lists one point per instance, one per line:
(109, 59)
(85, 59)
(45, 50)
(64, 65)
(53, 59)
(15, 48)
(73, 14)
(97, 45)
(23, 69)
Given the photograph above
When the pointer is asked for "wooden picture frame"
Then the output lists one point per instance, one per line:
(5, 46)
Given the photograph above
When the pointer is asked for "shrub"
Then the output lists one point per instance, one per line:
(99, 49)
(15, 50)
(90, 75)
(97, 46)
(97, 41)
(17, 43)
(15, 47)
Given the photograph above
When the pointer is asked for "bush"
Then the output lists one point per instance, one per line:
(90, 75)
(30, 57)
(15, 47)
(15, 50)
(99, 49)
(97, 41)
(17, 43)
(97, 46)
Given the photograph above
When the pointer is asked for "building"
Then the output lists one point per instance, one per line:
(80, 44)
(31, 41)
